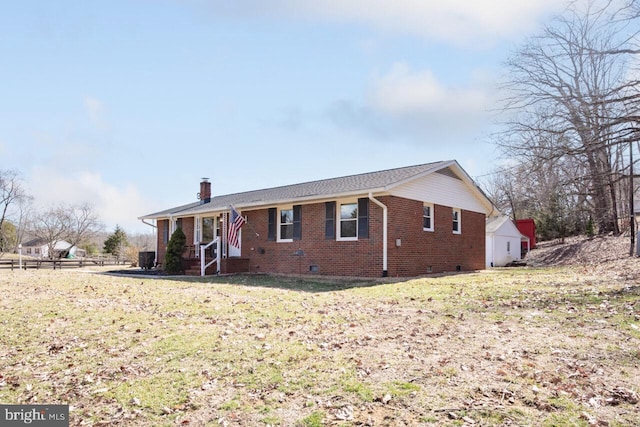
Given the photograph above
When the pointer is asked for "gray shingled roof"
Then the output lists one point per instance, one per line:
(352, 184)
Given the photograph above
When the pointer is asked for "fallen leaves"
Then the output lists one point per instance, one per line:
(518, 346)
(622, 395)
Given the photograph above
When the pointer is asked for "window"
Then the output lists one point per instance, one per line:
(165, 231)
(285, 225)
(508, 247)
(427, 217)
(347, 221)
(456, 221)
(208, 229)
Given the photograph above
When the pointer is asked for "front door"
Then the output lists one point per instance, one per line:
(233, 251)
(234, 242)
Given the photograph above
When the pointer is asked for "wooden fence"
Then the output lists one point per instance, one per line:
(57, 264)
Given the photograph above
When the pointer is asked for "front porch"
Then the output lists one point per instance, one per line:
(192, 262)
(227, 266)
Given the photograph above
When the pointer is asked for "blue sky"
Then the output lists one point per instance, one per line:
(127, 104)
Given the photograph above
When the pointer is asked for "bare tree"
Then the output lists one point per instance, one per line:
(11, 191)
(51, 226)
(72, 223)
(84, 224)
(143, 241)
(23, 216)
(569, 92)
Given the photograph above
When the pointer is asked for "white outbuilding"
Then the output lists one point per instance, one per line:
(39, 248)
(503, 241)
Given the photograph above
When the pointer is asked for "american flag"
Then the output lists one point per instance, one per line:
(236, 221)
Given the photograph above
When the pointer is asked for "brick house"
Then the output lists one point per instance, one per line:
(403, 222)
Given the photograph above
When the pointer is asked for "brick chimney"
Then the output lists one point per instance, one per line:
(205, 191)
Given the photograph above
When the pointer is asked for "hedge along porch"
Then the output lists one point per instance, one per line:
(398, 222)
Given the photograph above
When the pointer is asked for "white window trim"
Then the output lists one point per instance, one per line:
(339, 204)
(197, 227)
(459, 230)
(173, 225)
(279, 217)
(429, 205)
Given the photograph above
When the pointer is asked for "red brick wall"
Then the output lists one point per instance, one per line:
(349, 258)
(434, 251)
(420, 252)
(187, 228)
(162, 245)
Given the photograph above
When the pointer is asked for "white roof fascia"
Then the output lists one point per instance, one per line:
(309, 199)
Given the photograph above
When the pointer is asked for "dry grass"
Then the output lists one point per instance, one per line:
(526, 346)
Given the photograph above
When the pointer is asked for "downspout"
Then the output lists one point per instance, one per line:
(148, 223)
(384, 233)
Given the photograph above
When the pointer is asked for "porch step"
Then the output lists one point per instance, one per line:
(192, 267)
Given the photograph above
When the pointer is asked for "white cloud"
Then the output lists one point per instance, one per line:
(415, 106)
(457, 21)
(406, 92)
(120, 205)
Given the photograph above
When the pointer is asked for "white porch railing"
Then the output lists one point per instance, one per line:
(216, 259)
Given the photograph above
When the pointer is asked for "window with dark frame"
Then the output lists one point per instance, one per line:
(284, 225)
(347, 221)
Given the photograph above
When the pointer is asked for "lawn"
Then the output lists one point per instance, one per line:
(530, 347)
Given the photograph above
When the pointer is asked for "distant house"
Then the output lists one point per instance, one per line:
(39, 248)
(503, 241)
(400, 222)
